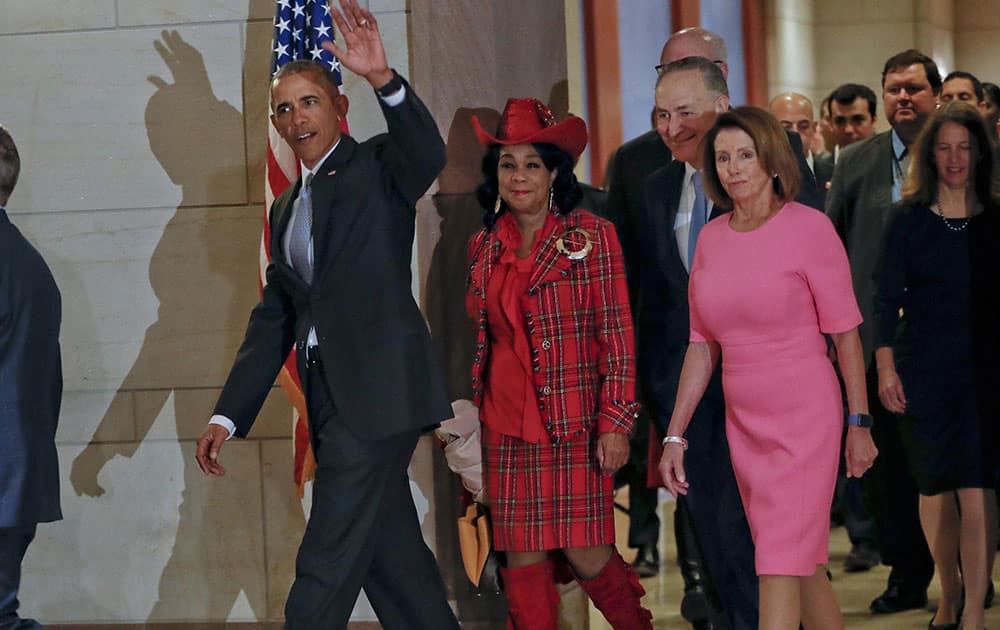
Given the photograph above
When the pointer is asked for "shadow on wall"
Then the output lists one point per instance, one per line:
(200, 272)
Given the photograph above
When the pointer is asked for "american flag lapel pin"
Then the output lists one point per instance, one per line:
(333, 172)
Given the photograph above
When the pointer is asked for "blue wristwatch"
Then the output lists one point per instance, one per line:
(862, 420)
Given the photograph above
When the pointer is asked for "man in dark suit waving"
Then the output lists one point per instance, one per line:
(30, 394)
(339, 290)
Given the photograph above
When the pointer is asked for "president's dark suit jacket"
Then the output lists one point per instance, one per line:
(30, 383)
(379, 363)
(858, 203)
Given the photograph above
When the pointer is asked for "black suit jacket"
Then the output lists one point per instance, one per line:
(379, 363)
(664, 319)
(627, 172)
(823, 169)
(30, 383)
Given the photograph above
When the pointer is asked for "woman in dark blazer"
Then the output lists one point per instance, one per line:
(926, 371)
(553, 371)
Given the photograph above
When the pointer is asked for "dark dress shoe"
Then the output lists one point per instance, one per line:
(647, 562)
(941, 626)
(895, 599)
(861, 558)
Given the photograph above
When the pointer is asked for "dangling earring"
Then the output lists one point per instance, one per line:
(496, 207)
(551, 198)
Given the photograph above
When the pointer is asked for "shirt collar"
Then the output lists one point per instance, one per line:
(306, 171)
(897, 145)
(689, 172)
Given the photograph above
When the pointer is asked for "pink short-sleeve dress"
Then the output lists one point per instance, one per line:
(766, 297)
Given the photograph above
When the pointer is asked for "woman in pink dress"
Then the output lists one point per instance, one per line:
(767, 281)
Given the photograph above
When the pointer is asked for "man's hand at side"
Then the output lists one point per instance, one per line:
(209, 445)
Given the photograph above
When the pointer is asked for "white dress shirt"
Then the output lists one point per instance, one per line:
(682, 222)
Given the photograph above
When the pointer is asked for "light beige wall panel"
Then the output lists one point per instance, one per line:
(156, 12)
(103, 416)
(256, 80)
(102, 120)
(940, 13)
(978, 52)
(893, 11)
(838, 12)
(151, 298)
(790, 52)
(32, 16)
(937, 43)
(856, 53)
(972, 15)
(162, 543)
(798, 10)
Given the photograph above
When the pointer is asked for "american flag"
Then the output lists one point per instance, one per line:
(299, 27)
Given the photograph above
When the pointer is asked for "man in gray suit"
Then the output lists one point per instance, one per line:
(30, 394)
(866, 182)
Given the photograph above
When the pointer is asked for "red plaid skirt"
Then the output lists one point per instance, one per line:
(546, 496)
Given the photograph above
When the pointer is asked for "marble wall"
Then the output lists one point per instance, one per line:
(141, 127)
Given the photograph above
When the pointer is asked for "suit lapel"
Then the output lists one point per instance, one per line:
(665, 235)
(326, 195)
(279, 222)
(549, 262)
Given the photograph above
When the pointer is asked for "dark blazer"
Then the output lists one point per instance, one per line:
(823, 170)
(664, 320)
(627, 171)
(858, 203)
(380, 366)
(30, 383)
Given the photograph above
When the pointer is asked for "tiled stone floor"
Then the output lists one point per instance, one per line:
(854, 590)
(663, 593)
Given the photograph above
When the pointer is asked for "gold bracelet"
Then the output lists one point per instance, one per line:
(676, 439)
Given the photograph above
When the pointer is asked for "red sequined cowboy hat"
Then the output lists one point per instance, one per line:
(528, 120)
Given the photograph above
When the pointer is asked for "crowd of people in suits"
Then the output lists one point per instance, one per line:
(813, 327)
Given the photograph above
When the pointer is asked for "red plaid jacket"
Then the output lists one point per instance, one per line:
(579, 327)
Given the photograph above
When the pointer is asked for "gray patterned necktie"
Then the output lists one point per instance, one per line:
(301, 237)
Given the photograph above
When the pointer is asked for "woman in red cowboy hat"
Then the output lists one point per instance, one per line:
(554, 369)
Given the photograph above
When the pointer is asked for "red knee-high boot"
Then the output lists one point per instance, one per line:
(616, 592)
(532, 599)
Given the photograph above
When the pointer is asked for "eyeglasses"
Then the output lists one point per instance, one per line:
(663, 66)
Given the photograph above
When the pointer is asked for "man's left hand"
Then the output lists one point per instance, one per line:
(364, 54)
(612, 452)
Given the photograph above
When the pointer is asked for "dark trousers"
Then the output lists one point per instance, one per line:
(720, 523)
(643, 523)
(14, 543)
(893, 501)
(363, 531)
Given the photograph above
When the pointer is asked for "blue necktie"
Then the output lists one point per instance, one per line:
(698, 216)
(301, 237)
